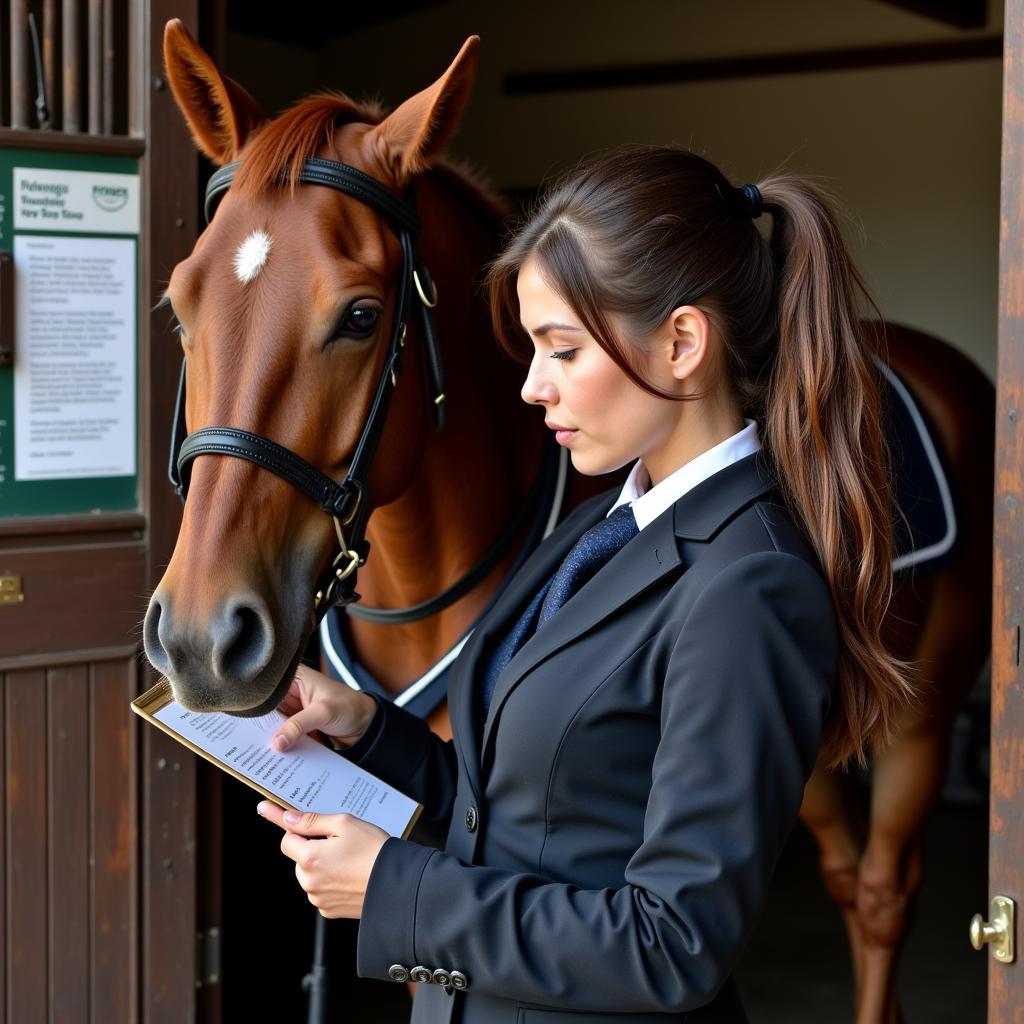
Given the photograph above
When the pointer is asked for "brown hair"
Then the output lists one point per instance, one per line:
(642, 230)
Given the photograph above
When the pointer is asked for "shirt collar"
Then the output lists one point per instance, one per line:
(649, 502)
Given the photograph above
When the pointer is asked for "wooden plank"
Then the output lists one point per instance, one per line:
(50, 43)
(109, 57)
(25, 819)
(94, 78)
(113, 859)
(716, 69)
(113, 525)
(20, 67)
(68, 807)
(49, 659)
(170, 183)
(116, 145)
(71, 78)
(3, 840)
(95, 593)
(1006, 866)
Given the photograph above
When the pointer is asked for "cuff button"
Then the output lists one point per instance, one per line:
(398, 972)
(442, 977)
(421, 974)
(458, 980)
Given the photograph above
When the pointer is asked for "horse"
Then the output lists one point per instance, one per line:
(284, 307)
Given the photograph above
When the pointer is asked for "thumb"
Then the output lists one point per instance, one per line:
(311, 824)
(309, 718)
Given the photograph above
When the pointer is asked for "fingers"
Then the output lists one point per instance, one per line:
(313, 717)
(305, 824)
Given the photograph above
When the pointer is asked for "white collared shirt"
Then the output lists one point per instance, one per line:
(649, 502)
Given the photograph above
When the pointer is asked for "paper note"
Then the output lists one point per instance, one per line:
(308, 776)
(74, 379)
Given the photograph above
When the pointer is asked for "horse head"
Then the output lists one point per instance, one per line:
(285, 308)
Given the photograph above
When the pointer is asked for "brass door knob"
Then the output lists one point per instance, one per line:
(998, 931)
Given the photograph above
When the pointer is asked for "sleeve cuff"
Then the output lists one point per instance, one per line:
(388, 917)
(394, 745)
(355, 751)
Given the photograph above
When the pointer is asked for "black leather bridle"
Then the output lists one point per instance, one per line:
(345, 502)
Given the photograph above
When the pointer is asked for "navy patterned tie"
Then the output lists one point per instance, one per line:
(587, 555)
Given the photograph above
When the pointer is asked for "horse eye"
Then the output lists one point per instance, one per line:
(358, 322)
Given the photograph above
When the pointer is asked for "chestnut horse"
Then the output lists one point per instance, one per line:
(285, 305)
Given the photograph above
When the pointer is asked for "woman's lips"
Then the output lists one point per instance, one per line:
(563, 435)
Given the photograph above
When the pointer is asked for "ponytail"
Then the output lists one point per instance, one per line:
(824, 429)
(642, 230)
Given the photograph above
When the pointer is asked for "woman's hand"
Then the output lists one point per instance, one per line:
(334, 870)
(316, 701)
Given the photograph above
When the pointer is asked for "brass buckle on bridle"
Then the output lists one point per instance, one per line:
(352, 559)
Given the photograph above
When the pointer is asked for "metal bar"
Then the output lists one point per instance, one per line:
(71, 18)
(21, 67)
(95, 86)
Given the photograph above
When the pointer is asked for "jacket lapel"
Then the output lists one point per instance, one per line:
(468, 667)
(641, 563)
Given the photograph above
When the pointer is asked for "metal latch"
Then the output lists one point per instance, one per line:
(10, 590)
(998, 931)
(208, 957)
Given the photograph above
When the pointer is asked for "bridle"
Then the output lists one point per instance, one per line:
(346, 502)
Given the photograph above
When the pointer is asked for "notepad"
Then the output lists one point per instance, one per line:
(306, 777)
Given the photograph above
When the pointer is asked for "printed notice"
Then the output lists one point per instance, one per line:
(74, 378)
(92, 202)
(308, 776)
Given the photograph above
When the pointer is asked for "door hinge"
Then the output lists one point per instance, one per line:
(207, 957)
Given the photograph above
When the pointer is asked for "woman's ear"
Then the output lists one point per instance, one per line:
(687, 334)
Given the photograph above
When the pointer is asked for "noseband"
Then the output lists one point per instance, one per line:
(345, 502)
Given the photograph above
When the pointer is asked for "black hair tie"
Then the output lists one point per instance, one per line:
(751, 195)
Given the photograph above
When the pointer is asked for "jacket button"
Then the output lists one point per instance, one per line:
(398, 972)
(442, 977)
(421, 974)
(471, 819)
(459, 980)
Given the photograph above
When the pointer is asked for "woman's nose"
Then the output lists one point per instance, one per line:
(537, 388)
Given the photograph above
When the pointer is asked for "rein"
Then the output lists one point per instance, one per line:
(346, 502)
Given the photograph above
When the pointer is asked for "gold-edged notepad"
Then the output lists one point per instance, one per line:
(306, 777)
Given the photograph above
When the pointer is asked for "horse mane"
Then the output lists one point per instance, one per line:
(277, 151)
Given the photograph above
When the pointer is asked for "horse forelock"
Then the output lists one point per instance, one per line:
(276, 153)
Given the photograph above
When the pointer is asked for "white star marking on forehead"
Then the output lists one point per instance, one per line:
(251, 256)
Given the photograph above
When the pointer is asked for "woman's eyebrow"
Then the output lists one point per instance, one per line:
(545, 328)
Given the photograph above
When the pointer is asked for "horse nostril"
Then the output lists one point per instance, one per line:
(155, 650)
(243, 640)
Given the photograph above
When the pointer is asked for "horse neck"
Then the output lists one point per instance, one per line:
(474, 473)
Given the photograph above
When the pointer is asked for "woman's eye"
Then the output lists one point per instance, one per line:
(563, 353)
(358, 322)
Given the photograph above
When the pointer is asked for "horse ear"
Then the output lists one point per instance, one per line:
(220, 113)
(412, 136)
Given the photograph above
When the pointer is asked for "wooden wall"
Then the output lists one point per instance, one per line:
(70, 863)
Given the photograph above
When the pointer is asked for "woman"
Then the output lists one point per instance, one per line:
(635, 719)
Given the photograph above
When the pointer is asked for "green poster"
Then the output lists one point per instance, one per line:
(69, 404)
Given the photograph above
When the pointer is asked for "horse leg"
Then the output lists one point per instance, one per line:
(908, 775)
(833, 811)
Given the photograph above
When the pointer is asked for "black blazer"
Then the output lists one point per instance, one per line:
(609, 836)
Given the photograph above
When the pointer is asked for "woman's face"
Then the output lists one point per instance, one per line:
(612, 420)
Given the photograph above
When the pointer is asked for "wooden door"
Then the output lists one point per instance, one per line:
(1006, 830)
(97, 816)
